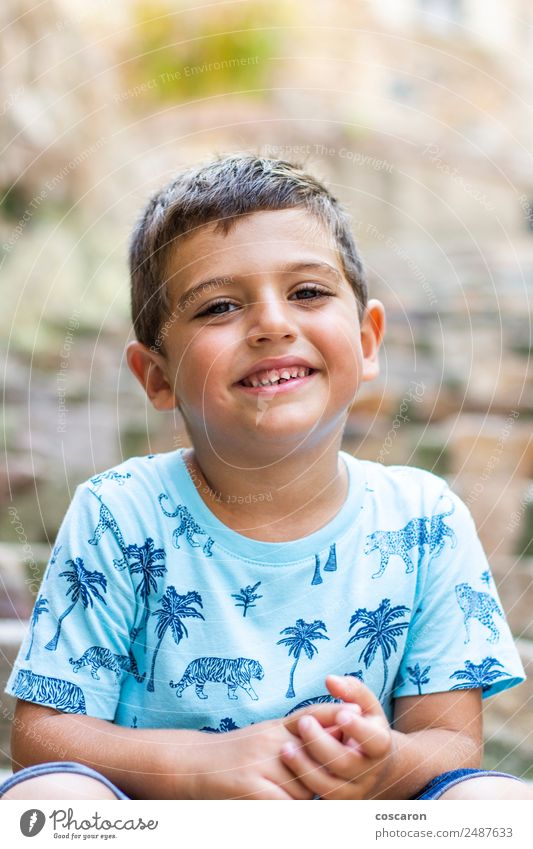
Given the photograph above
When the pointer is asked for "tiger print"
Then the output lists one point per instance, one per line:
(235, 672)
(97, 656)
(44, 690)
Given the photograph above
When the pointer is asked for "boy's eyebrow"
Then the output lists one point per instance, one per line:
(215, 282)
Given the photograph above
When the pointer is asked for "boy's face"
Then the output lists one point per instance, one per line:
(270, 290)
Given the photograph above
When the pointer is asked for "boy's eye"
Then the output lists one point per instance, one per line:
(304, 293)
(218, 308)
(310, 291)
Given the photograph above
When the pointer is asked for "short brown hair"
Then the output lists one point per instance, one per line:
(220, 191)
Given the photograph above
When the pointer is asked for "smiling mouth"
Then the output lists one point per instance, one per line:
(276, 377)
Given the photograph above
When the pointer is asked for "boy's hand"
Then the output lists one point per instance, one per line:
(245, 764)
(353, 766)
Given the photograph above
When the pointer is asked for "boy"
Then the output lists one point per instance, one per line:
(250, 584)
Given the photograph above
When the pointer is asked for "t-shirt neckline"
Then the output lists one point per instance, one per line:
(274, 553)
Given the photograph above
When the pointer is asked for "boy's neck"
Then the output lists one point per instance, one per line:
(287, 499)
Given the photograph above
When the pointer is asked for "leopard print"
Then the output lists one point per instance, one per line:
(187, 526)
(106, 522)
(419, 532)
(438, 531)
(480, 606)
(112, 476)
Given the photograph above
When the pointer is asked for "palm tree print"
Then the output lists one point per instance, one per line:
(226, 724)
(55, 552)
(83, 585)
(301, 639)
(329, 566)
(40, 607)
(148, 562)
(380, 629)
(418, 676)
(486, 577)
(479, 674)
(246, 597)
(324, 697)
(174, 608)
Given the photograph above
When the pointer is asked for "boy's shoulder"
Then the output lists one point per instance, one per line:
(134, 477)
(398, 475)
(405, 488)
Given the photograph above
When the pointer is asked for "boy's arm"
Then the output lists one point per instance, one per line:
(432, 734)
(143, 765)
(161, 763)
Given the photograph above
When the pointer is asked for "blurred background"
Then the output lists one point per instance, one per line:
(418, 114)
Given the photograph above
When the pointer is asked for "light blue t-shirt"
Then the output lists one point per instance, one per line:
(153, 613)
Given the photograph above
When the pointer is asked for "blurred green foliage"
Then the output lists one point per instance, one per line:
(434, 457)
(498, 756)
(217, 49)
(13, 202)
(525, 540)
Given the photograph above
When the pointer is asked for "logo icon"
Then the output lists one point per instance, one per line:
(262, 406)
(32, 822)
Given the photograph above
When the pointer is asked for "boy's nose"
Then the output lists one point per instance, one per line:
(271, 319)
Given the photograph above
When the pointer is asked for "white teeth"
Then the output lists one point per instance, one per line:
(272, 377)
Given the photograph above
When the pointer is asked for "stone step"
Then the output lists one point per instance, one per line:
(21, 568)
(494, 501)
(482, 447)
(12, 632)
(507, 720)
(514, 580)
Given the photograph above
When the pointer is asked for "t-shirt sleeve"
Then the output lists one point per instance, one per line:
(458, 637)
(77, 648)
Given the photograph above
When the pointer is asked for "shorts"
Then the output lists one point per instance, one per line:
(438, 785)
(434, 790)
(58, 766)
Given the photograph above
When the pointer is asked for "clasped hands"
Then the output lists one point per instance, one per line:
(331, 750)
(344, 747)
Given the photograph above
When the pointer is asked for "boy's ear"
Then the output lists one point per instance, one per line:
(372, 332)
(150, 369)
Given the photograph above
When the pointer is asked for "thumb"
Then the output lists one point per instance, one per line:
(325, 714)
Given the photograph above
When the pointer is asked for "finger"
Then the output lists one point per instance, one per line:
(316, 778)
(351, 689)
(342, 761)
(319, 781)
(323, 713)
(292, 784)
(371, 735)
(265, 789)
